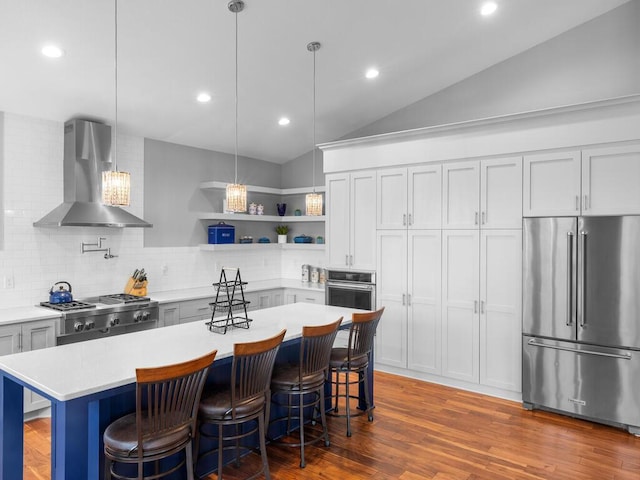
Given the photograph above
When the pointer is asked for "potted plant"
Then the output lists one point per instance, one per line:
(282, 231)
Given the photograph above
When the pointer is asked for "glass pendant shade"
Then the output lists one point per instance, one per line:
(236, 197)
(116, 188)
(314, 204)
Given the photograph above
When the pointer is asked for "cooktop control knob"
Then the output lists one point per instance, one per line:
(137, 317)
(78, 326)
(114, 321)
(146, 316)
(89, 324)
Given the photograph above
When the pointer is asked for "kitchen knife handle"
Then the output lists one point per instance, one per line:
(583, 241)
(570, 239)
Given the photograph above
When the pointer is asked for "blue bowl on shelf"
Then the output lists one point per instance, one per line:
(264, 240)
(302, 239)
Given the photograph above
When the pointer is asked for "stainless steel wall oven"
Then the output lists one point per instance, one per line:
(351, 289)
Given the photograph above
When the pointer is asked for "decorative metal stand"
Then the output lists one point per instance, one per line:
(229, 299)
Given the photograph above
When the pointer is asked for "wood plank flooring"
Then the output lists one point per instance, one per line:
(427, 431)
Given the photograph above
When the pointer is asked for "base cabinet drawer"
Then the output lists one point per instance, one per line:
(292, 295)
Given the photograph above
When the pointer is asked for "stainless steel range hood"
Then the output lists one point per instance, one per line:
(87, 153)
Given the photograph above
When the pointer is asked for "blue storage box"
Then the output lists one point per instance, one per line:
(222, 233)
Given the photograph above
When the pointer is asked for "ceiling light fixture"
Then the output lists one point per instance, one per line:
(236, 193)
(52, 51)
(203, 97)
(372, 73)
(488, 8)
(284, 121)
(314, 200)
(116, 186)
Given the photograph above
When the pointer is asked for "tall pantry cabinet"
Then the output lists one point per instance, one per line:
(481, 271)
(449, 256)
(408, 281)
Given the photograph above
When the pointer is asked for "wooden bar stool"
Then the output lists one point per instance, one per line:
(244, 400)
(305, 380)
(355, 358)
(164, 422)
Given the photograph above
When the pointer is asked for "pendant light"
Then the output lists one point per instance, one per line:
(314, 200)
(236, 193)
(116, 186)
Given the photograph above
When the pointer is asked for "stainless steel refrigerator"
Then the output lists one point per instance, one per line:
(581, 317)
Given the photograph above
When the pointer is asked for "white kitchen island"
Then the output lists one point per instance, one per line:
(91, 383)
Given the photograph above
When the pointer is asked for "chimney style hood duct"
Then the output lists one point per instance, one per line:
(87, 153)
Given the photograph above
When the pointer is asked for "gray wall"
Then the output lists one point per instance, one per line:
(597, 60)
(298, 172)
(172, 197)
(2, 180)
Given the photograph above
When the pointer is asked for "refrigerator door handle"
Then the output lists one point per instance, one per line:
(570, 240)
(623, 356)
(583, 283)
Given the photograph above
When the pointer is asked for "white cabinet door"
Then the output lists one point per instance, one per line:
(424, 313)
(10, 339)
(35, 336)
(195, 310)
(425, 197)
(611, 180)
(169, 314)
(351, 224)
(460, 194)
(501, 193)
(362, 255)
(337, 224)
(392, 199)
(391, 290)
(551, 184)
(500, 309)
(460, 312)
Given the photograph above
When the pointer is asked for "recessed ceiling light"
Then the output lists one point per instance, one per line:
(284, 121)
(203, 97)
(372, 73)
(52, 51)
(488, 8)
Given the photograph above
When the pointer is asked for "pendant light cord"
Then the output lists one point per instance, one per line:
(115, 143)
(314, 122)
(236, 104)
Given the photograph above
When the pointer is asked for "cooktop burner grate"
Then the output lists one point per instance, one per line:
(68, 306)
(122, 298)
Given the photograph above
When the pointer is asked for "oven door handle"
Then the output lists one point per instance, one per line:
(350, 286)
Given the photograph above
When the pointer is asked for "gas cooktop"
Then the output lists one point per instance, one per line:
(68, 306)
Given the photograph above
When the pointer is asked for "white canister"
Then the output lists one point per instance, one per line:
(305, 273)
(253, 209)
(315, 275)
(260, 209)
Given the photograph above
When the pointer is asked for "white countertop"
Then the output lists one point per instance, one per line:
(71, 371)
(32, 313)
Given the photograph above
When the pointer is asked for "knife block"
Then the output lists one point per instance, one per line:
(134, 287)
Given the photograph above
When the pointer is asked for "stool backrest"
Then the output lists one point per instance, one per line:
(315, 349)
(363, 329)
(167, 397)
(252, 368)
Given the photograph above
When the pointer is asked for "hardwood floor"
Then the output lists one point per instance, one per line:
(427, 431)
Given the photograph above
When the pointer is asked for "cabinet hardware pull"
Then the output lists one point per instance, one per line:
(476, 219)
(475, 306)
(404, 219)
(410, 220)
(408, 299)
(404, 297)
(346, 260)
(586, 202)
(484, 216)
(20, 342)
(577, 202)
(350, 259)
